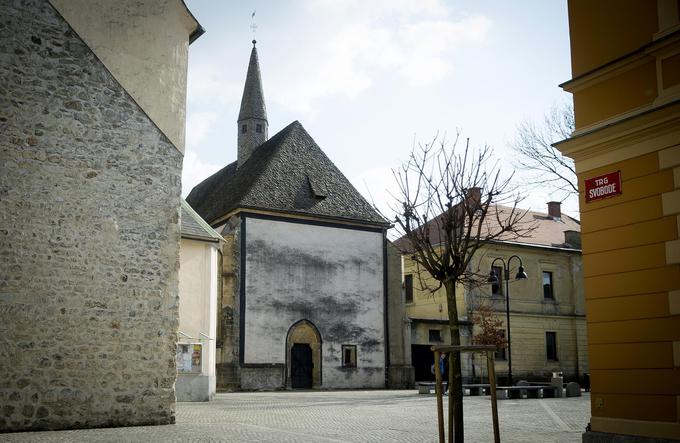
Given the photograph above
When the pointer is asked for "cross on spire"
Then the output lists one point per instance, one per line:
(253, 26)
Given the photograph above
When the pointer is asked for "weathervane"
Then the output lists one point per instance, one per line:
(253, 26)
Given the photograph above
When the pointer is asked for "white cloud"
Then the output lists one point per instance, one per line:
(198, 126)
(207, 83)
(195, 171)
(427, 54)
(378, 186)
(363, 42)
(379, 8)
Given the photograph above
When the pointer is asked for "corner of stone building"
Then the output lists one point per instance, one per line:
(228, 368)
(89, 300)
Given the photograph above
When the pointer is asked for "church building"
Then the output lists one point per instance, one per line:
(304, 298)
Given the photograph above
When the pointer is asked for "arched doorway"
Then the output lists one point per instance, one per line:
(303, 356)
(301, 366)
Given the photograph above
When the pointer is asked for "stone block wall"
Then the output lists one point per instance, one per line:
(89, 237)
(228, 368)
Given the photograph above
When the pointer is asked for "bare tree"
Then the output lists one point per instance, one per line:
(533, 144)
(448, 204)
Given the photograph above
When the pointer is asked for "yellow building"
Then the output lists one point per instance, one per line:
(547, 324)
(626, 89)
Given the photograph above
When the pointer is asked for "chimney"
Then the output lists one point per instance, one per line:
(474, 196)
(572, 239)
(554, 210)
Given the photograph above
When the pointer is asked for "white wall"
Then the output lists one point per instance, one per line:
(330, 276)
(198, 306)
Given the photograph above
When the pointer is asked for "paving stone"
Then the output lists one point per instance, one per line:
(342, 416)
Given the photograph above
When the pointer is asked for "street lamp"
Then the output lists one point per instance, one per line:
(493, 278)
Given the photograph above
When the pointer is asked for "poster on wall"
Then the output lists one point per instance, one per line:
(189, 358)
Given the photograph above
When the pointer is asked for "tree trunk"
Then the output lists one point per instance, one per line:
(455, 378)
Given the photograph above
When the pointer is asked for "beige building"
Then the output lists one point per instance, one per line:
(547, 324)
(199, 262)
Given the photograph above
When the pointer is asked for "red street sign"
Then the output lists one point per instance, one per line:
(603, 186)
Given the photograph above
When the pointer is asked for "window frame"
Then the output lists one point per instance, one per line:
(549, 292)
(498, 270)
(502, 353)
(551, 336)
(438, 334)
(408, 288)
(258, 128)
(353, 352)
(244, 128)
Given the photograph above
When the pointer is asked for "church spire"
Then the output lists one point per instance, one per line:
(252, 118)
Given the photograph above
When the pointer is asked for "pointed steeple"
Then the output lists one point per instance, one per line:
(252, 118)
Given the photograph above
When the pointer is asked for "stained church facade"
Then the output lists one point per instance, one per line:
(304, 300)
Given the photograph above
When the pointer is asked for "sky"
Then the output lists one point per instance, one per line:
(369, 78)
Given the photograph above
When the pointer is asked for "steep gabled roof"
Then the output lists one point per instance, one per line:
(543, 230)
(288, 173)
(194, 227)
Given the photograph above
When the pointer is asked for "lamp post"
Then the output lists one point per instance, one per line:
(493, 278)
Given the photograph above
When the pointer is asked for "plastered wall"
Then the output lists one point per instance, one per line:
(198, 309)
(145, 45)
(332, 277)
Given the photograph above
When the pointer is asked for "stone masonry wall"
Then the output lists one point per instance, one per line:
(228, 369)
(89, 237)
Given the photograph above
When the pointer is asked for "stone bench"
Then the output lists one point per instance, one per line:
(424, 387)
(502, 392)
(477, 389)
(519, 392)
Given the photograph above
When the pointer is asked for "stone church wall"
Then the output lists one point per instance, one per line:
(89, 237)
(228, 369)
(329, 276)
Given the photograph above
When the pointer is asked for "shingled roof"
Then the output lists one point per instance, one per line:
(543, 229)
(288, 173)
(194, 227)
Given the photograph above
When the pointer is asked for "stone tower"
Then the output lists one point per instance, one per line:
(252, 118)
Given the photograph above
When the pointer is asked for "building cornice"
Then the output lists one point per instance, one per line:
(626, 62)
(648, 130)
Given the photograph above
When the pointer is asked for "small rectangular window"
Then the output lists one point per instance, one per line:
(258, 128)
(497, 287)
(500, 354)
(244, 128)
(547, 285)
(408, 288)
(435, 336)
(551, 346)
(349, 356)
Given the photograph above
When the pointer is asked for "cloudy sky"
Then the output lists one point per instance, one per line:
(367, 78)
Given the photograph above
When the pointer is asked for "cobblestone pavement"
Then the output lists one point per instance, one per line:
(342, 416)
